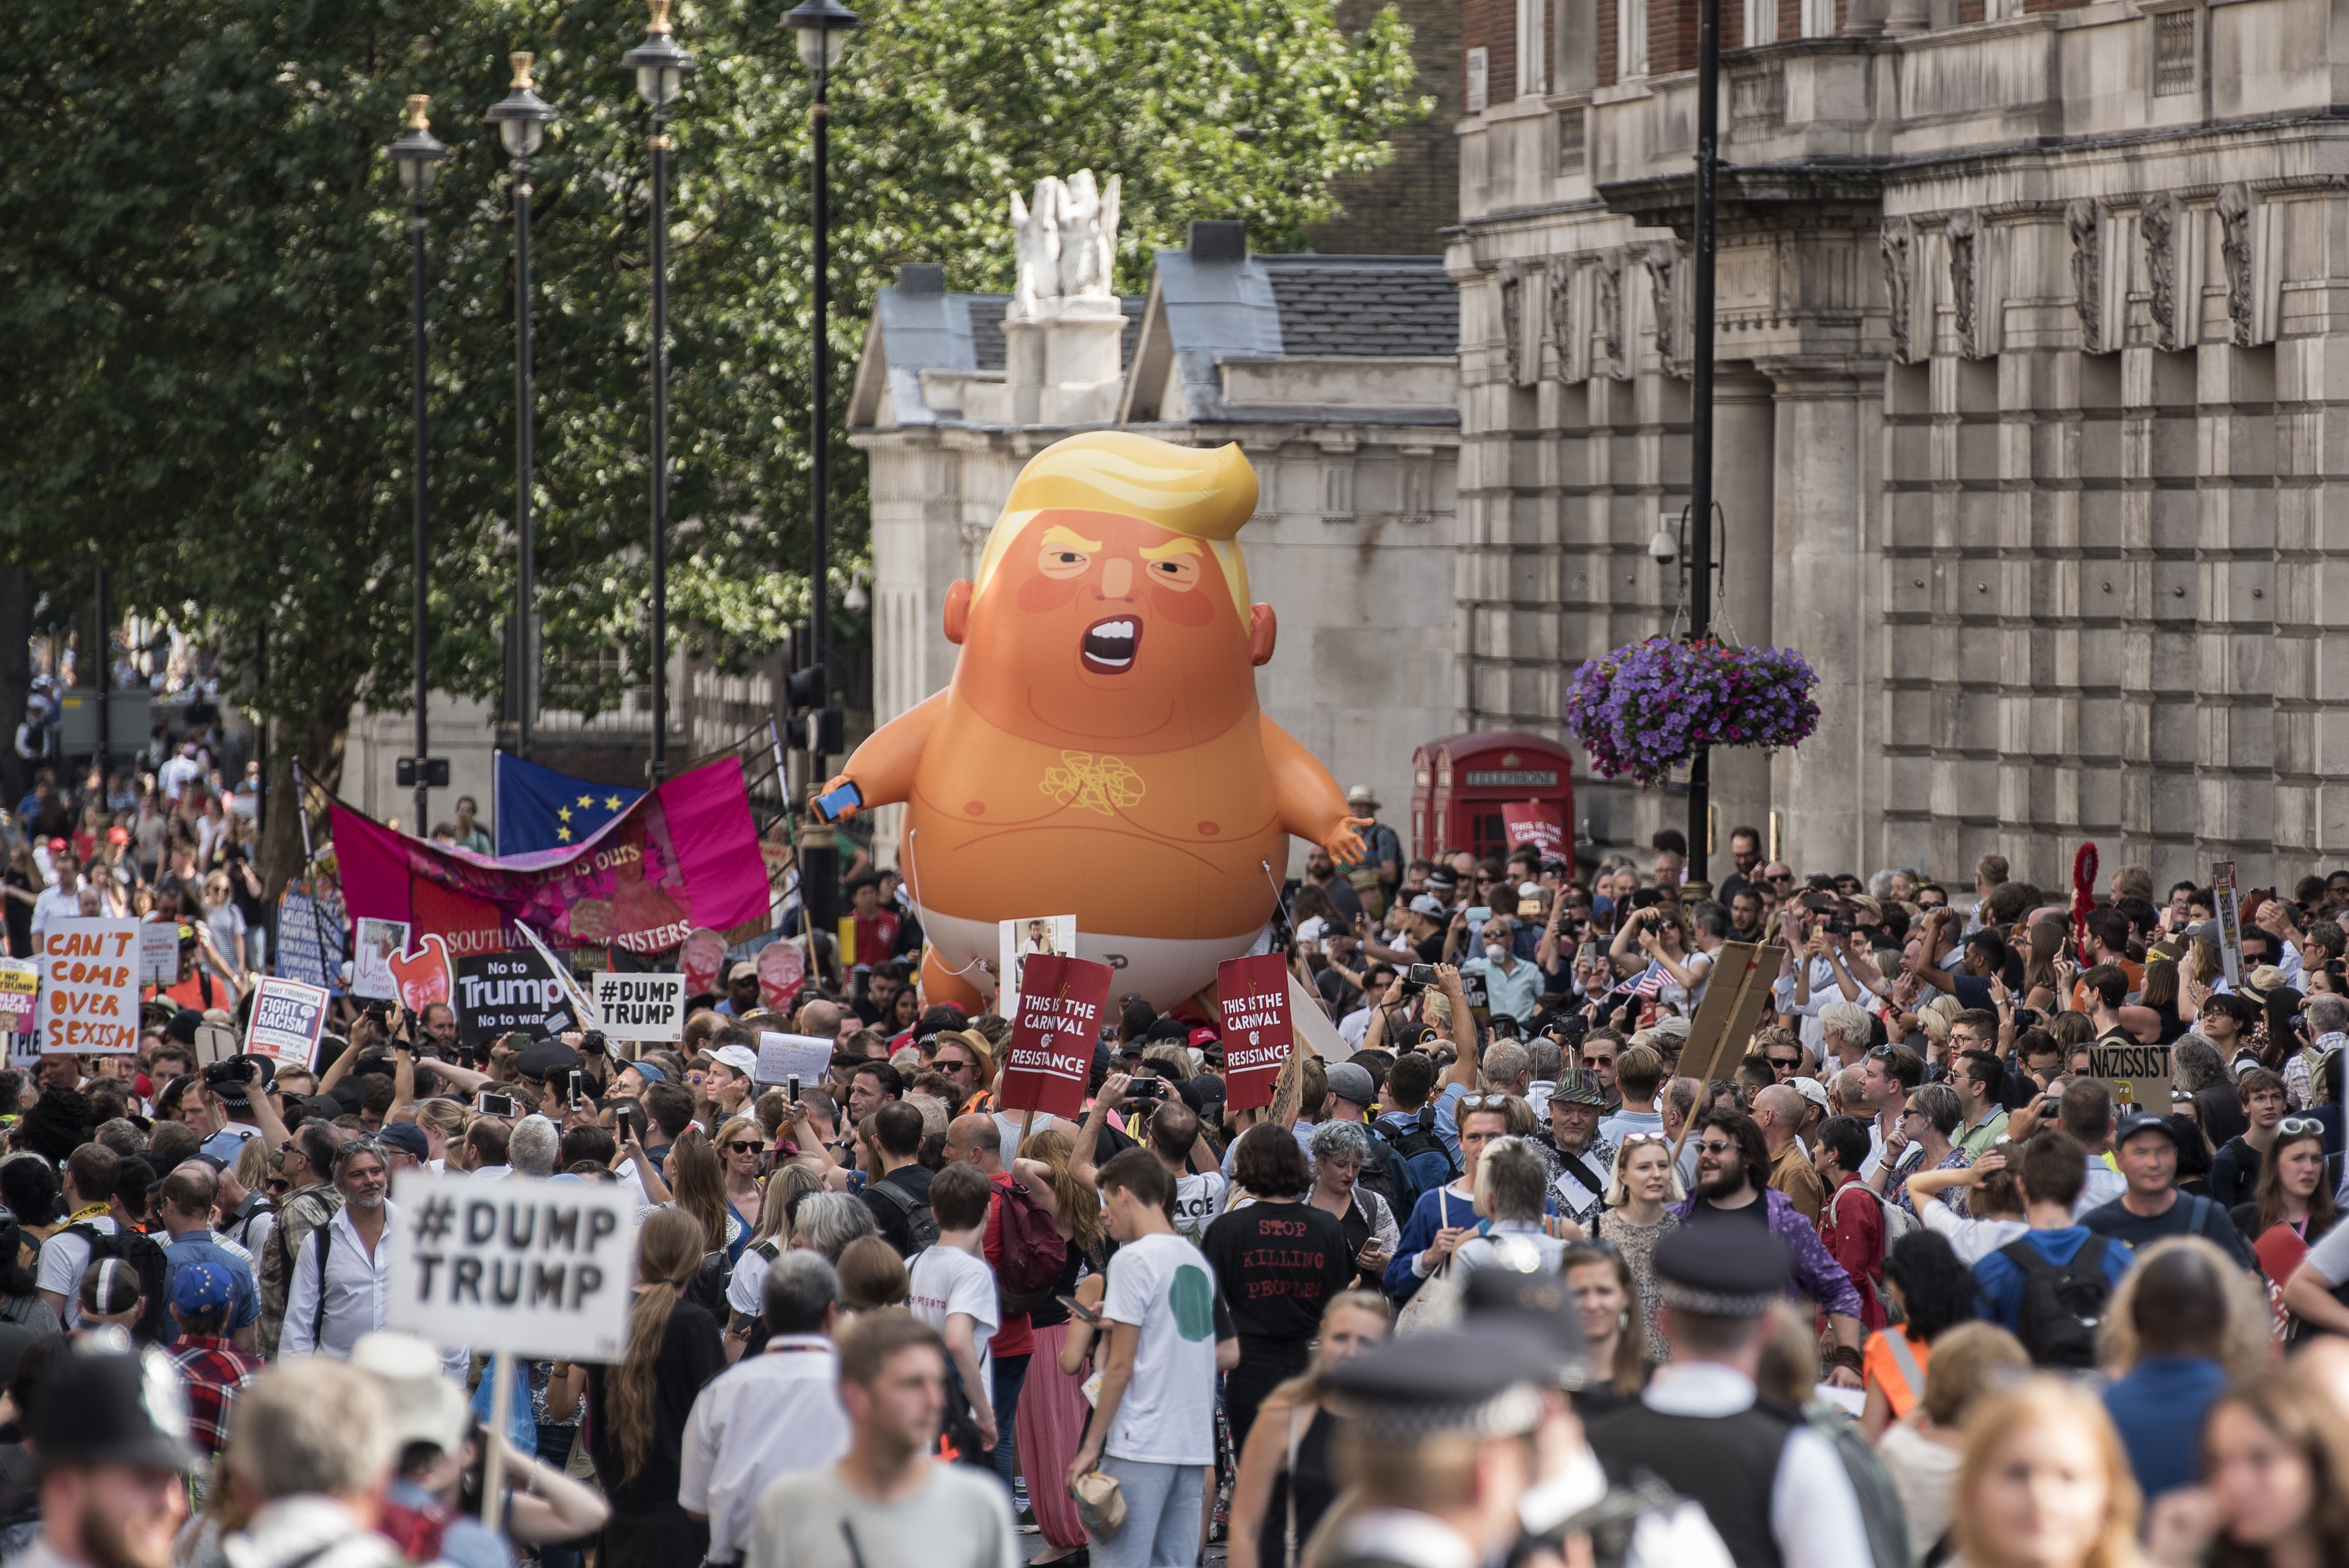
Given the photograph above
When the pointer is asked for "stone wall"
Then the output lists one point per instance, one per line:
(1402, 208)
(2033, 400)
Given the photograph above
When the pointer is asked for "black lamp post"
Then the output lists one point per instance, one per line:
(1700, 296)
(522, 119)
(660, 67)
(822, 28)
(416, 154)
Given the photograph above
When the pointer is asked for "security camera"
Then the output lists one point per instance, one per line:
(1664, 546)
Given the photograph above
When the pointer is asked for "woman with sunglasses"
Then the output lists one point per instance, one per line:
(2294, 1206)
(742, 1143)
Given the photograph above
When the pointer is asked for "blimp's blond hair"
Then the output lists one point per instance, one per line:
(1203, 493)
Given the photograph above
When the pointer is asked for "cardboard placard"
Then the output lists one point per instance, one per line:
(1734, 997)
(1017, 941)
(20, 991)
(2138, 1075)
(2230, 921)
(535, 1268)
(701, 960)
(288, 1017)
(1538, 825)
(371, 953)
(89, 998)
(782, 1058)
(505, 993)
(1050, 1056)
(643, 1007)
(1252, 995)
(215, 1043)
(425, 977)
(158, 953)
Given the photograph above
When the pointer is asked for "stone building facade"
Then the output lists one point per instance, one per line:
(1337, 376)
(2033, 347)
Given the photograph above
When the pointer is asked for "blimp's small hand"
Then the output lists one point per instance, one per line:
(1344, 843)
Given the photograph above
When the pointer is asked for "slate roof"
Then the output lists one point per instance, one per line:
(1364, 304)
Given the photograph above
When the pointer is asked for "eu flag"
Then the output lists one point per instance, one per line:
(539, 809)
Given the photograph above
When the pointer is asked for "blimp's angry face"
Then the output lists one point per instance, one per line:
(1099, 625)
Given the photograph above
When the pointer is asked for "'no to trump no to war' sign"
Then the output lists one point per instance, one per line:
(89, 992)
(1053, 1035)
(1252, 994)
(535, 1268)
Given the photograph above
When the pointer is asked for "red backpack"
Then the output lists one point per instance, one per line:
(1033, 1255)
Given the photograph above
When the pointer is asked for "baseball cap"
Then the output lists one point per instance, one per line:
(1202, 1037)
(742, 969)
(1352, 1083)
(651, 1072)
(1810, 1089)
(1426, 904)
(741, 1059)
(2144, 1121)
(545, 1056)
(104, 1406)
(198, 1288)
(406, 1136)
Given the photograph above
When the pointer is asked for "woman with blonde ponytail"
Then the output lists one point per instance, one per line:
(637, 1410)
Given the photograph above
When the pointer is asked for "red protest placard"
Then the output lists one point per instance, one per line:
(1538, 825)
(1062, 1001)
(1253, 995)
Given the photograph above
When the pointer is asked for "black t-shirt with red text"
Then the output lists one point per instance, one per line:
(1276, 1264)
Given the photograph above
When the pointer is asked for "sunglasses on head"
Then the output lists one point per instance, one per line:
(2298, 1125)
(1628, 1138)
(1483, 1103)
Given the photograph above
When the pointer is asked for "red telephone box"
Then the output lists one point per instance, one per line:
(1460, 783)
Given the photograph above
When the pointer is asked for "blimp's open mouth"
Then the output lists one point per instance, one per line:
(1109, 645)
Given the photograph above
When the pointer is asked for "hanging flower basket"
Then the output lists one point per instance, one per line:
(1646, 708)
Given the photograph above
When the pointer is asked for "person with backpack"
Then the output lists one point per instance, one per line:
(2152, 1207)
(188, 1193)
(899, 1192)
(90, 1177)
(1352, 1092)
(1854, 1226)
(2179, 1306)
(1578, 1159)
(1409, 1125)
(2049, 1287)
(953, 1292)
(342, 1278)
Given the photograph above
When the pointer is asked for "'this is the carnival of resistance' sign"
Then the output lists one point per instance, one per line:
(1252, 994)
(1054, 1034)
(536, 1268)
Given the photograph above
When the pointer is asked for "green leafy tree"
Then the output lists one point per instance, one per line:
(204, 272)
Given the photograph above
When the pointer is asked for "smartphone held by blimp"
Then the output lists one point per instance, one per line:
(831, 804)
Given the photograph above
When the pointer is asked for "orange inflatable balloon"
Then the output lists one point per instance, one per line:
(1100, 749)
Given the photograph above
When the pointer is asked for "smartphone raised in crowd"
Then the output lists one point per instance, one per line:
(792, 1084)
(489, 1104)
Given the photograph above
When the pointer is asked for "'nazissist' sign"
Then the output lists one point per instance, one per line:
(1051, 1054)
(1253, 995)
(537, 1268)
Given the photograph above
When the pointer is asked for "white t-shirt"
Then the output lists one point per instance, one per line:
(1198, 1197)
(947, 1280)
(1162, 1285)
(64, 1256)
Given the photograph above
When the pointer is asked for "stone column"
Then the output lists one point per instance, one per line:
(1744, 420)
(1825, 600)
(2238, 756)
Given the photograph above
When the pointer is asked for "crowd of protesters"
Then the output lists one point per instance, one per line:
(1908, 1285)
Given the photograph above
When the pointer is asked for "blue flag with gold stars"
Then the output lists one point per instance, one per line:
(539, 809)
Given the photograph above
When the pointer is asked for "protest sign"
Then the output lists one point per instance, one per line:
(534, 1268)
(214, 1043)
(783, 970)
(641, 1006)
(287, 1019)
(158, 953)
(506, 993)
(1049, 1055)
(581, 1006)
(782, 1058)
(1733, 996)
(20, 988)
(1538, 825)
(2230, 921)
(1017, 941)
(1253, 995)
(90, 1002)
(701, 959)
(371, 956)
(2138, 1075)
(309, 942)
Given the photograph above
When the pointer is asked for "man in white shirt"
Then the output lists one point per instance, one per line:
(62, 900)
(341, 1277)
(90, 1177)
(174, 777)
(953, 1290)
(1154, 1422)
(770, 1416)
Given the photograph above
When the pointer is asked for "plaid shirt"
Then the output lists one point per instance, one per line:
(213, 1370)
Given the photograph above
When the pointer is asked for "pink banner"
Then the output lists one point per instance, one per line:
(686, 855)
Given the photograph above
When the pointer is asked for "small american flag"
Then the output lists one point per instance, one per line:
(1651, 982)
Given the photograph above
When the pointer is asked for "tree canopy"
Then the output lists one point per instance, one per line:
(206, 289)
